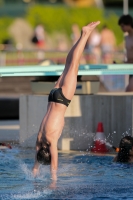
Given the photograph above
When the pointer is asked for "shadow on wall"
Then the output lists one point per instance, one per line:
(9, 108)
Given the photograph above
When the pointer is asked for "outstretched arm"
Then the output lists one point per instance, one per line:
(38, 146)
(54, 160)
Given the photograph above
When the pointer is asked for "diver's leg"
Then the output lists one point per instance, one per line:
(68, 79)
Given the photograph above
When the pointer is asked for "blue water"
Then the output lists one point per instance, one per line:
(80, 176)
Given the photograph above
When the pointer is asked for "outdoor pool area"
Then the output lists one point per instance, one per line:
(81, 175)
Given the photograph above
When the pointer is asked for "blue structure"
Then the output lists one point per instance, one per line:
(56, 70)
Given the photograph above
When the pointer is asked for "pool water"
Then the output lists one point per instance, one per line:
(80, 176)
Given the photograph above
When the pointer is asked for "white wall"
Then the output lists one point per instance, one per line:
(81, 119)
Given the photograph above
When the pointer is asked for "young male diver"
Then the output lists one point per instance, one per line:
(58, 101)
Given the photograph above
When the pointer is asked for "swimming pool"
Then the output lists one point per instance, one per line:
(80, 176)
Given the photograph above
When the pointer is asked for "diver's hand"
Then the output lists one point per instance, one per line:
(53, 185)
(35, 171)
(54, 174)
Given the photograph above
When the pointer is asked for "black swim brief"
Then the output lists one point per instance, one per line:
(57, 96)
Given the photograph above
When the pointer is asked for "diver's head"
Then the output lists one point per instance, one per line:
(43, 156)
(126, 23)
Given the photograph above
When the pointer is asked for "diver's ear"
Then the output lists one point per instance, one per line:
(131, 152)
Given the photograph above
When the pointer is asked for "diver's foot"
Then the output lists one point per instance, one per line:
(90, 27)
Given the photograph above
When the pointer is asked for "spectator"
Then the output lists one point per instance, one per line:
(126, 24)
(40, 35)
(93, 45)
(75, 33)
(39, 40)
(125, 154)
(108, 42)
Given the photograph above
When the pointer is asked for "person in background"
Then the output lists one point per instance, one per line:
(93, 46)
(58, 101)
(75, 33)
(40, 42)
(107, 43)
(125, 154)
(126, 24)
(40, 34)
(108, 40)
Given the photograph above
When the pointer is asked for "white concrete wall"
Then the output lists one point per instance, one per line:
(81, 119)
(9, 131)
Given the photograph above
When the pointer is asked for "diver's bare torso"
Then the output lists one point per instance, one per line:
(129, 48)
(53, 122)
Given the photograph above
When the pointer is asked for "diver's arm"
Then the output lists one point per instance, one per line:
(36, 164)
(38, 146)
(54, 160)
(35, 169)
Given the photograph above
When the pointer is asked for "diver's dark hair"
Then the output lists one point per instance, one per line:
(126, 20)
(43, 156)
(125, 146)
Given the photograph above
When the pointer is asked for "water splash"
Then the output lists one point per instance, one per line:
(27, 172)
(33, 195)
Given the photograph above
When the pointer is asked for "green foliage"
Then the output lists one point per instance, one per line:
(4, 25)
(112, 23)
(61, 18)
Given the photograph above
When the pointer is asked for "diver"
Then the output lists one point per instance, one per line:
(125, 154)
(58, 101)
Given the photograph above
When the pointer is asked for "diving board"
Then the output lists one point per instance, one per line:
(56, 70)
